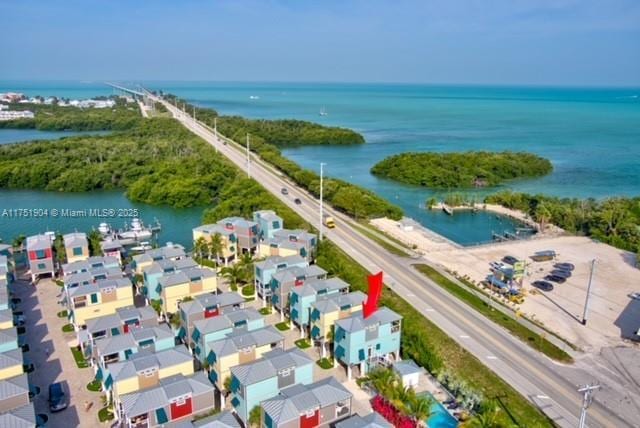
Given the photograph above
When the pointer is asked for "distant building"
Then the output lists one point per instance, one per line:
(40, 254)
(246, 231)
(268, 223)
(76, 246)
(320, 404)
(228, 239)
(285, 242)
(15, 114)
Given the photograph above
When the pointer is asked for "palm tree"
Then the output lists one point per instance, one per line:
(487, 419)
(234, 274)
(254, 416)
(246, 263)
(200, 247)
(543, 215)
(419, 407)
(215, 246)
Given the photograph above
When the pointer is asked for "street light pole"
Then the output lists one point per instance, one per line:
(248, 159)
(322, 164)
(586, 302)
(215, 131)
(587, 398)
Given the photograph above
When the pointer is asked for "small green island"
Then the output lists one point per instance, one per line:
(461, 169)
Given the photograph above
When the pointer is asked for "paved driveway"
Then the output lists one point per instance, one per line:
(49, 352)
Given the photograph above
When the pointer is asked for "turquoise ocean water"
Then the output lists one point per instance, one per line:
(591, 135)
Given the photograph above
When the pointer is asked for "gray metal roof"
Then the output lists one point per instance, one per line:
(212, 229)
(300, 234)
(120, 342)
(274, 261)
(314, 286)
(10, 358)
(75, 239)
(267, 215)
(356, 322)
(107, 322)
(6, 315)
(208, 300)
(269, 365)
(166, 252)
(8, 335)
(226, 320)
(20, 417)
(221, 420)
(38, 242)
(372, 420)
(335, 302)
(298, 399)
(149, 399)
(92, 264)
(100, 284)
(111, 245)
(234, 342)
(14, 386)
(146, 359)
(407, 367)
(238, 222)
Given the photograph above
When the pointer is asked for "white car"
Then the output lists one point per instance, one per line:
(635, 295)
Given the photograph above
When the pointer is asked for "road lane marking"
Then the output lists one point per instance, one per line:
(491, 357)
(464, 336)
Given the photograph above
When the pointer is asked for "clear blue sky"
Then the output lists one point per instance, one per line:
(558, 42)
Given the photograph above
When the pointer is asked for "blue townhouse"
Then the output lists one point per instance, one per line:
(265, 269)
(283, 281)
(301, 298)
(151, 275)
(268, 223)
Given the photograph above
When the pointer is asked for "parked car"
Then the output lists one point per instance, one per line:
(284, 191)
(563, 273)
(297, 201)
(543, 285)
(564, 266)
(555, 278)
(510, 260)
(543, 256)
(57, 397)
(635, 295)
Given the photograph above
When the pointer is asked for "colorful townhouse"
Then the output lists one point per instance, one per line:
(260, 380)
(40, 255)
(325, 312)
(8, 339)
(177, 398)
(301, 298)
(113, 248)
(90, 264)
(76, 246)
(320, 404)
(372, 420)
(205, 306)
(6, 268)
(6, 317)
(361, 341)
(16, 411)
(283, 281)
(143, 370)
(265, 269)
(168, 252)
(102, 297)
(239, 348)
(152, 273)
(120, 347)
(228, 239)
(268, 223)
(11, 364)
(174, 287)
(286, 242)
(211, 329)
(89, 277)
(246, 232)
(121, 322)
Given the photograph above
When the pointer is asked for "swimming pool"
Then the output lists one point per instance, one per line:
(440, 418)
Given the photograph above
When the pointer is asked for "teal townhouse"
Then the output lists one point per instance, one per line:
(16, 410)
(363, 342)
(8, 339)
(283, 281)
(176, 399)
(211, 329)
(168, 252)
(152, 273)
(320, 404)
(268, 223)
(301, 298)
(203, 307)
(120, 347)
(326, 311)
(372, 420)
(309, 241)
(90, 264)
(121, 322)
(247, 233)
(265, 269)
(237, 348)
(260, 380)
(40, 256)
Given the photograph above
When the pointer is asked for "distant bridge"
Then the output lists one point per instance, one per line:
(127, 90)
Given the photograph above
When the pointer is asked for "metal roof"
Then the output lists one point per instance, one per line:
(269, 365)
(335, 302)
(20, 417)
(38, 242)
(75, 239)
(356, 322)
(407, 367)
(274, 261)
(300, 234)
(208, 300)
(146, 359)
(8, 335)
(372, 420)
(221, 420)
(314, 286)
(14, 386)
(234, 342)
(120, 342)
(107, 322)
(11, 358)
(100, 284)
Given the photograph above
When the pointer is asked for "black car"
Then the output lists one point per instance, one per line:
(57, 397)
(510, 260)
(297, 201)
(284, 191)
(564, 266)
(555, 278)
(563, 273)
(543, 285)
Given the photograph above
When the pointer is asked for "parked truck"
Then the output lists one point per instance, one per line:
(328, 221)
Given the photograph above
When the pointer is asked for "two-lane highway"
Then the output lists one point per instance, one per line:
(529, 372)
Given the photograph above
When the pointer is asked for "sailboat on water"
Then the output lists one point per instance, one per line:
(323, 112)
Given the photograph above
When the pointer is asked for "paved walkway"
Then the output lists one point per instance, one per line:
(49, 352)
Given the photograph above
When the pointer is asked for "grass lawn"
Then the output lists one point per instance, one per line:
(265, 311)
(63, 314)
(384, 244)
(80, 360)
(325, 363)
(303, 343)
(105, 414)
(94, 386)
(67, 328)
(283, 326)
(533, 339)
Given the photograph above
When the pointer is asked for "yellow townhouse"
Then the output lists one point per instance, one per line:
(174, 287)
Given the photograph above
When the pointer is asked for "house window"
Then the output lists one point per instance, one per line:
(41, 254)
(77, 251)
(94, 298)
(395, 326)
(275, 224)
(41, 266)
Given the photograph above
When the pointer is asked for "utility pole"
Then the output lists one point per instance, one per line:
(215, 132)
(586, 302)
(248, 159)
(587, 398)
(322, 164)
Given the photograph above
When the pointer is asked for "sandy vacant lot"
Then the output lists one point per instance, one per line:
(613, 317)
